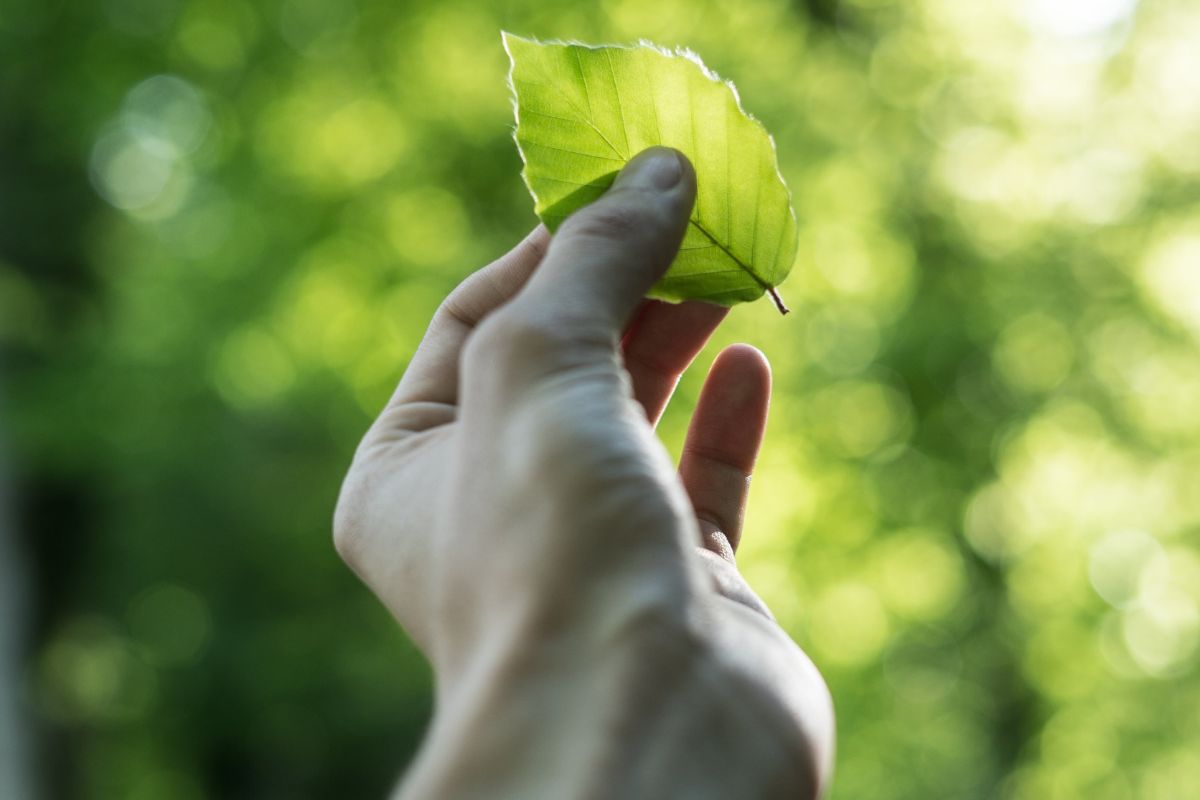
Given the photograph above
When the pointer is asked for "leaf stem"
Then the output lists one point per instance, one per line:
(778, 301)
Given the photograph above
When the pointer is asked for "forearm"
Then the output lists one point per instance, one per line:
(660, 717)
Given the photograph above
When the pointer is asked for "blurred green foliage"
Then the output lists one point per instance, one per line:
(224, 224)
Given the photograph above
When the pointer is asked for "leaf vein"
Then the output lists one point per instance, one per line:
(528, 141)
(585, 118)
(601, 185)
(587, 94)
(692, 130)
(729, 182)
(617, 94)
(673, 279)
(749, 271)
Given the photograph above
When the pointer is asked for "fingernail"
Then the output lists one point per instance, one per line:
(657, 168)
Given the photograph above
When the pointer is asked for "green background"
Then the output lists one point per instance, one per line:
(224, 225)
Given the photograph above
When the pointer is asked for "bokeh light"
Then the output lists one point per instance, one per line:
(226, 225)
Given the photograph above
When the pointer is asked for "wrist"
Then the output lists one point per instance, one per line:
(539, 713)
(655, 714)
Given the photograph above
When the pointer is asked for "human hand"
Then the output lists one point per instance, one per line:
(514, 510)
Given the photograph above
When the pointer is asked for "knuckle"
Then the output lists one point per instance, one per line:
(511, 336)
(729, 585)
(452, 308)
(470, 301)
(579, 439)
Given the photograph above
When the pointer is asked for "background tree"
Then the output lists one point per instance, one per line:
(224, 224)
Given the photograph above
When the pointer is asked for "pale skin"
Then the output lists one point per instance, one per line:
(577, 596)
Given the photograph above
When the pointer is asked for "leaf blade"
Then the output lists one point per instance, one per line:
(584, 111)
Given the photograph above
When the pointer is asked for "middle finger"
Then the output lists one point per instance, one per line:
(659, 345)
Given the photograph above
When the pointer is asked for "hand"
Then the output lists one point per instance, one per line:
(513, 509)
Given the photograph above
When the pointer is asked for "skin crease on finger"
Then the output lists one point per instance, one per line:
(515, 512)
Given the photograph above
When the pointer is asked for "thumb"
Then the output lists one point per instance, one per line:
(606, 256)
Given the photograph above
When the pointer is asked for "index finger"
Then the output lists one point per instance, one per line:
(432, 374)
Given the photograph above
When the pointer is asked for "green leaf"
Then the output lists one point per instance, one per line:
(583, 112)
